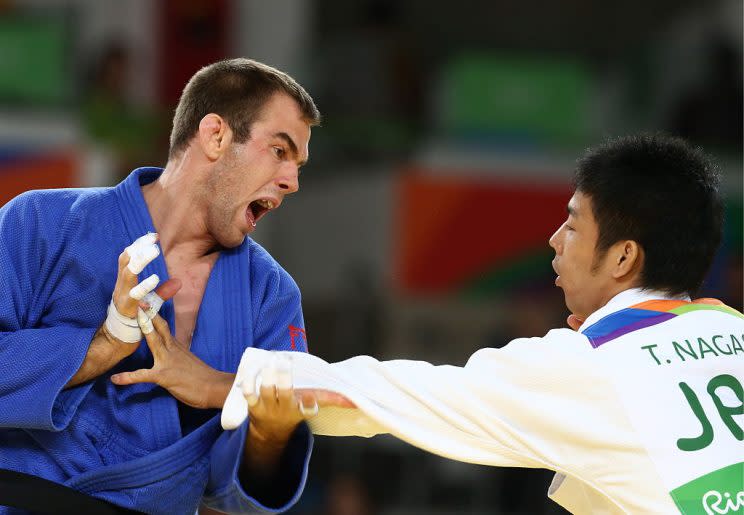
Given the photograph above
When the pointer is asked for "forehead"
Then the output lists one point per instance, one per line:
(577, 204)
(580, 207)
(281, 112)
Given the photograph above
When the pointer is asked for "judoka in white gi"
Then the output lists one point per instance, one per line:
(638, 407)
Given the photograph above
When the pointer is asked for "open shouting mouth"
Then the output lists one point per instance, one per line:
(258, 208)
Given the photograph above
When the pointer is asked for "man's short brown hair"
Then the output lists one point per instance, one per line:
(237, 90)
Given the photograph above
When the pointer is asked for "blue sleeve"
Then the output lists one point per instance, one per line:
(35, 361)
(224, 491)
(278, 325)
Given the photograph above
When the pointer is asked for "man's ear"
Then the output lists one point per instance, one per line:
(627, 259)
(214, 136)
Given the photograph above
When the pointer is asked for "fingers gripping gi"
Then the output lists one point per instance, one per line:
(251, 378)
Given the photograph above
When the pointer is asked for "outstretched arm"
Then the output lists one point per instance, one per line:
(507, 407)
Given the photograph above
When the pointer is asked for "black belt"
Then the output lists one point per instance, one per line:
(42, 496)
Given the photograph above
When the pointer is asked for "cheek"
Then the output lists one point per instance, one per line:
(576, 259)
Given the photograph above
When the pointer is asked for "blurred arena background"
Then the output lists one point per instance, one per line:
(442, 167)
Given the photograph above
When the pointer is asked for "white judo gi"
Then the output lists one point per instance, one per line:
(640, 411)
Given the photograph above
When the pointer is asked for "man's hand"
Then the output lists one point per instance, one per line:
(121, 323)
(126, 280)
(105, 350)
(275, 412)
(264, 387)
(259, 371)
(179, 371)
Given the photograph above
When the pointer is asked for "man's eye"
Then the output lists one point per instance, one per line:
(279, 152)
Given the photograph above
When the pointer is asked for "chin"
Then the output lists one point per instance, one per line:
(230, 241)
(581, 311)
(237, 242)
(572, 307)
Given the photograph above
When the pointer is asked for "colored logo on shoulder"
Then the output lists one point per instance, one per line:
(297, 336)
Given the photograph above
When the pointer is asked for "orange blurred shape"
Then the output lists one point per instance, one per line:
(57, 170)
(452, 229)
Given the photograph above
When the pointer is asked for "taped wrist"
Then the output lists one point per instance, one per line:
(121, 327)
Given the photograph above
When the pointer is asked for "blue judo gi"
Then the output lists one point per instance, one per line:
(127, 445)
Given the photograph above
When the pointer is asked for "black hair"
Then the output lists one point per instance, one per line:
(662, 193)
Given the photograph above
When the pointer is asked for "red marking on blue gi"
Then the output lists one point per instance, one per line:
(294, 332)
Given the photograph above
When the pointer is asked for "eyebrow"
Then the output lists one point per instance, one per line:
(571, 210)
(292, 145)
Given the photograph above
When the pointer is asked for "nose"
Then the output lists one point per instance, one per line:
(555, 240)
(289, 182)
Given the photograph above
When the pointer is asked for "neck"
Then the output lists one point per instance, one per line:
(178, 208)
(609, 291)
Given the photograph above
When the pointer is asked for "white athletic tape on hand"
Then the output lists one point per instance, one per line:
(250, 393)
(142, 251)
(285, 381)
(269, 376)
(235, 410)
(242, 395)
(250, 378)
(155, 302)
(309, 411)
(283, 373)
(145, 287)
(120, 327)
(144, 322)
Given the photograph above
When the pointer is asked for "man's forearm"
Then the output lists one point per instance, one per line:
(261, 467)
(262, 454)
(104, 353)
(219, 388)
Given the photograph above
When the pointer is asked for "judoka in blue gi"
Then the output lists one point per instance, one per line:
(134, 424)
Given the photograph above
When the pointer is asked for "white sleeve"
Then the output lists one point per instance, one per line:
(529, 404)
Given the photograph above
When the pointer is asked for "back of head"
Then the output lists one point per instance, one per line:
(662, 193)
(236, 89)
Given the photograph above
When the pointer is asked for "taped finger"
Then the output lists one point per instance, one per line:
(235, 410)
(308, 405)
(268, 377)
(283, 367)
(144, 322)
(145, 287)
(250, 386)
(142, 252)
(155, 302)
